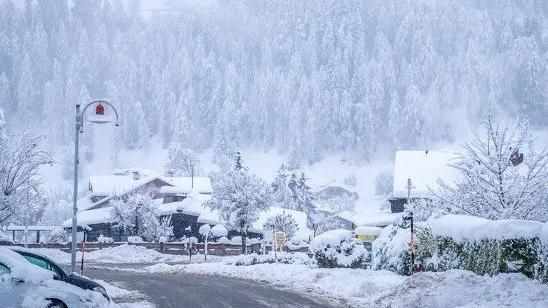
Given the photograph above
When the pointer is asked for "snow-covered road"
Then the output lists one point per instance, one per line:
(189, 290)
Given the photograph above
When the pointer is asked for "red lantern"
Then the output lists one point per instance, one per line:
(99, 109)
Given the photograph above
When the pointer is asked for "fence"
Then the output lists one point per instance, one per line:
(168, 248)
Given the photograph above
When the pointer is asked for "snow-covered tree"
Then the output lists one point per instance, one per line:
(281, 193)
(21, 200)
(283, 223)
(239, 197)
(138, 215)
(502, 175)
(181, 161)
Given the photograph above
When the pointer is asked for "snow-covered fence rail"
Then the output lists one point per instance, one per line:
(167, 248)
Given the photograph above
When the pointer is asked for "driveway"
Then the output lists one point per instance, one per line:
(189, 290)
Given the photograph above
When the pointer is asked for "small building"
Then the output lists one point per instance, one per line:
(95, 210)
(427, 172)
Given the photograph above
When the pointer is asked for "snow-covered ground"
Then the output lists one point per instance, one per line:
(118, 254)
(129, 298)
(357, 287)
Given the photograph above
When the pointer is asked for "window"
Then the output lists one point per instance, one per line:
(44, 264)
(4, 270)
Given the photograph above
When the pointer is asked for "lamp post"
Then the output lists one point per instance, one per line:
(410, 218)
(99, 119)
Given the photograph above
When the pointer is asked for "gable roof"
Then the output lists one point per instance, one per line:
(426, 169)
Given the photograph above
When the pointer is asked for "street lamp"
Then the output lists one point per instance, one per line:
(98, 118)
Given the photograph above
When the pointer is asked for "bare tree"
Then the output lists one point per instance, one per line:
(502, 176)
(20, 196)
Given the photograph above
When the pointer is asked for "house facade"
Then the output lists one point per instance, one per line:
(418, 174)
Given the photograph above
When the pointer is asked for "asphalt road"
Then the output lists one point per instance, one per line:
(193, 291)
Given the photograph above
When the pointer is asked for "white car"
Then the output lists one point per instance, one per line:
(25, 285)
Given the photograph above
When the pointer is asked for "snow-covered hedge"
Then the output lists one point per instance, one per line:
(280, 257)
(390, 250)
(338, 248)
(465, 242)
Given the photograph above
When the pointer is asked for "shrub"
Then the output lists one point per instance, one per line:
(337, 248)
(487, 253)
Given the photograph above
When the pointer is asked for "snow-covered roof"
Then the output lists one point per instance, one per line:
(368, 230)
(187, 184)
(426, 169)
(90, 217)
(118, 184)
(195, 205)
(303, 232)
(379, 219)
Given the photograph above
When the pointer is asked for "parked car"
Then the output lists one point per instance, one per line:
(31, 280)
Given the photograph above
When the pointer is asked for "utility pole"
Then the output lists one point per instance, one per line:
(79, 128)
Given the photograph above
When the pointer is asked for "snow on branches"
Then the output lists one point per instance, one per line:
(239, 197)
(282, 222)
(20, 197)
(502, 175)
(138, 215)
(181, 161)
(290, 190)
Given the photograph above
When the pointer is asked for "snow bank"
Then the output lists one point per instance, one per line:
(21, 268)
(118, 254)
(458, 288)
(460, 227)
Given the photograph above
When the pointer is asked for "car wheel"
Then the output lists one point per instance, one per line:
(56, 303)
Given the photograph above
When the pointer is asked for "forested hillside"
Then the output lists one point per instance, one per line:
(307, 77)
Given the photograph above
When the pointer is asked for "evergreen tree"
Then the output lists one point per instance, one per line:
(239, 197)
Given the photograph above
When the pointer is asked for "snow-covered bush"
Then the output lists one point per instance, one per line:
(338, 248)
(105, 239)
(390, 250)
(280, 257)
(482, 246)
(218, 231)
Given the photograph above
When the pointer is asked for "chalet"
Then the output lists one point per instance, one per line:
(426, 171)
(95, 216)
(183, 199)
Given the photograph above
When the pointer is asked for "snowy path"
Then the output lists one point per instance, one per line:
(187, 290)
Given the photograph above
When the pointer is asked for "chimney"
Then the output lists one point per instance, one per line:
(136, 175)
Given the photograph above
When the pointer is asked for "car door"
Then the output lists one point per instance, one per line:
(12, 291)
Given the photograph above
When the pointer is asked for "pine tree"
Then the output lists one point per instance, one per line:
(239, 197)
